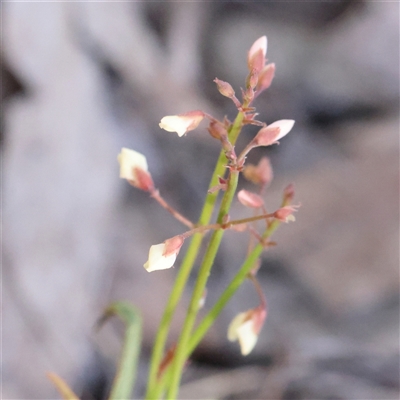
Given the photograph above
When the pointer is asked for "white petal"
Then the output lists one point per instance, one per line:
(247, 337)
(156, 259)
(285, 126)
(242, 329)
(234, 326)
(260, 43)
(128, 160)
(175, 123)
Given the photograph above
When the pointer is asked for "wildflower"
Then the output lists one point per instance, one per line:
(284, 125)
(285, 214)
(224, 88)
(182, 123)
(288, 193)
(265, 77)
(272, 133)
(163, 255)
(133, 168)
(250, 199)
(257, 53)
(245, 328)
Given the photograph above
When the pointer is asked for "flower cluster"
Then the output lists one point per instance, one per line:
(167, 365)
(246, 326)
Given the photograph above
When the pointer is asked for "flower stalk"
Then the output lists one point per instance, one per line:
(186, 267)
(166, 368)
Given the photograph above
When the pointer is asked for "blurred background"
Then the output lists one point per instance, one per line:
(80, 80)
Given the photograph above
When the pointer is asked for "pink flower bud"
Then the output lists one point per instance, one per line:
(285, 214)
(265, 77)
(245, 328)
(163, 255)
(257, 64)
(257, 53)
(272, 133)
(288, 193)
(250, 199)
(173, 245)
(217, 131)
(251, 82)
(133, 168)
(182, 123)
(261, 174)
(224, 88)
(266, 136)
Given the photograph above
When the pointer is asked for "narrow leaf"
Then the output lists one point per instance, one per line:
(125, 377)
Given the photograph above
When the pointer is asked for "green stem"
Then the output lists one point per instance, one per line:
(204, 272)
(230, 290)
(186, 267)
(228, 293)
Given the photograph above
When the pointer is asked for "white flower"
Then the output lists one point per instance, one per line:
(241, 329)
(254, 58)
(128, 161)
(284, 125)
(269, 135)
(133, 168)
(182, 123)
(157, 260)
(245, 328)
(260, 44)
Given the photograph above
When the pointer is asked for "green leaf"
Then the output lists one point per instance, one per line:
(126, 374)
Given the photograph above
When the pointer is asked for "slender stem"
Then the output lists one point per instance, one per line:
(246, 220)
(246, 150)
(230, 290)
(226, 225)
(156, 196)
(212, 315)
(204, 272)
(263, 300)
(153, 389)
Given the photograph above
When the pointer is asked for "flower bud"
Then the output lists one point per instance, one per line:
(250, 199)
(265, 77)
(217, 131)
(272, 133)
(173, 245)
(284, 125)
(266, 136)
(133, 168)
(163, 255)
(224, 88)
(182, 123)
(288, 193)
(245, 328)
(285, 214)
(251, 82)
(257, 53)
(261, 174)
